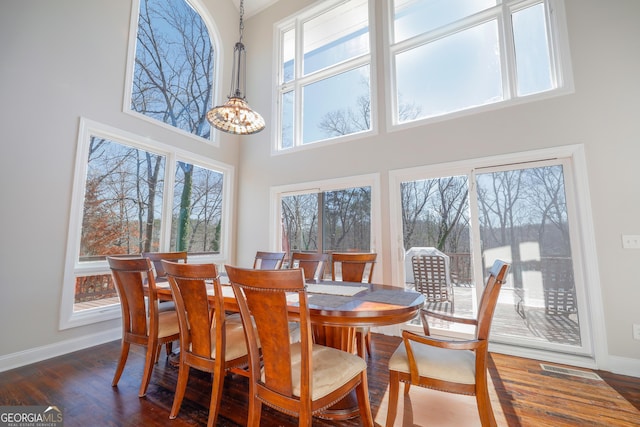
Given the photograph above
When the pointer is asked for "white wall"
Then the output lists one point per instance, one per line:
(62, 59)
(603, 114)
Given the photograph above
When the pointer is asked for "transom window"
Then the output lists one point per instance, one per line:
(132, 197)
(324, 74)
(454, 55)
(444, 57)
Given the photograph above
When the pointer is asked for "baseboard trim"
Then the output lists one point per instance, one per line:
(37, 354)
(623, 366)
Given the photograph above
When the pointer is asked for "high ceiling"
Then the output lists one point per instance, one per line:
(252, 7)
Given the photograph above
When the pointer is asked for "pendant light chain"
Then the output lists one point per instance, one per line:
(241, 19)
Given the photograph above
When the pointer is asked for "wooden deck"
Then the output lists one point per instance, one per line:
(516, 316)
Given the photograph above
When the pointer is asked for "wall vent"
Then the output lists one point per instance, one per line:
(572, 372)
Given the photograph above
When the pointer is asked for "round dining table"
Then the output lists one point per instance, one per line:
(337, 309)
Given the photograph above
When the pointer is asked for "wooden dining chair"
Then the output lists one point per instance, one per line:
(268, 260)
(312, 264)
(210, 340)
(301, 378)
(355, 267)
(142, 323)
(454, 366)
(157, 257)
(161, 275)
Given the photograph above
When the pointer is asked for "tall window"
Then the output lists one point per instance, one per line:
(449, 56)
(172, 78)
(330, 221)
(131, 197)
(324, 83)
(341, 215)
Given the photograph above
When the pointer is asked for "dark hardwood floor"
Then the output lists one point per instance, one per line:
(80, 384)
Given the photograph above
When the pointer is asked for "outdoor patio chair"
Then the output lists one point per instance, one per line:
(431, 279)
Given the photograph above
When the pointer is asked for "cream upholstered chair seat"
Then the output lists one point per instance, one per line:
(438, 363)
(167, 324)
(332, 369)
(235, 345)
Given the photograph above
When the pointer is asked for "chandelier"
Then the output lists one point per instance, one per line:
(236, 116)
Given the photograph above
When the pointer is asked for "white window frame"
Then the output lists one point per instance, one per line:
(298, 82)
(217, 96)
(562, 74)
(583, 241)
(73, 268)
(313, 187)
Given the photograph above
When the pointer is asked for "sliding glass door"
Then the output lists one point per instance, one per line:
(520, 212)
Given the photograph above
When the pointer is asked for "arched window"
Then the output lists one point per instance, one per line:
(171, 72)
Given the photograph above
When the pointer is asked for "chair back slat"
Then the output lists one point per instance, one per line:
(268, 260)
(262, 296)
(157, 257)
(353, 266)
(312, 264)
(196, 314)
(130, 276)
(489, 299)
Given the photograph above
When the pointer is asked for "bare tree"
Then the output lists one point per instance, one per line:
(415, 195)
(300, 220)
(173, 78)
(549, 202)
(206, 210)
(346, 121)
(435, 212)
(346, 213)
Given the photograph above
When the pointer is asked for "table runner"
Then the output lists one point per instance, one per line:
(342, 290)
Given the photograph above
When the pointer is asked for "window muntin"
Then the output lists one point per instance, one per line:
(172, 78)
(516, 49)
(331, 81)
(128, 195)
